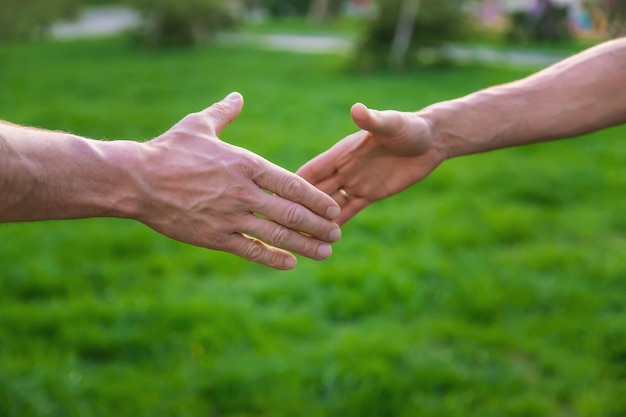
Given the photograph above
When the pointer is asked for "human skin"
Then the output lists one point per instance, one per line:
(186, 184)
(394, 150)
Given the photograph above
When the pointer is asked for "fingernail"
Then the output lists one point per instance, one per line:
(335, 235)
(290, 263)
(324, 251)
(233, 97)
(333, 213)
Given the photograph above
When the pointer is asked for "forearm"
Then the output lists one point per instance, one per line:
(582, 94)
(47, 175)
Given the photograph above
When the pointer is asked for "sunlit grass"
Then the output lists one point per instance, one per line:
(496, 287)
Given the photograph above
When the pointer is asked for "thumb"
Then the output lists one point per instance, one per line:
(387, 123)
(222, 113)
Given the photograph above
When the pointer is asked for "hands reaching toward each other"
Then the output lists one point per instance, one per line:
(189, 185)
(581, 94)
(393, 151)
(208, 193)
(186, 184)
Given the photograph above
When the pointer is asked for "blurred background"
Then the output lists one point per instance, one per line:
(496, 287)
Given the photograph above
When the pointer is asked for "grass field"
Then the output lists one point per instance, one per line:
(496, 287)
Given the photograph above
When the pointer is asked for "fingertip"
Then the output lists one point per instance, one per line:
(332, 213)
(364, 117)
(234, 97)
(290, 262)
(225, 111)
(335, 235)
(358, 107)
(237, 101)
(358, 111)
(324, 251)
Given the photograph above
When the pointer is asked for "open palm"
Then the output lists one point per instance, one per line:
(392, 152)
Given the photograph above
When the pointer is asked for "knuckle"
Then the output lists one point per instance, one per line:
(218, 110)
(195, 120)
(254, 250)
(246, 164)
(308, 248)
(215, 241)
(293, 189)
(279, 236)
(294, 215)
(242, 197)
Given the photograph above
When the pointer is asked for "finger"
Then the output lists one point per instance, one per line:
(294, 189)
(298, 218)
(256, 251)
(287, 239)
(341, 196)
(329, 185)
(351, 208)
(222, 113)
(387, 123)
(325, 164)
(318, 168)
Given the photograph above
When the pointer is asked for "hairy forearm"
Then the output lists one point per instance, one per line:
(579, 95)
(48, 175)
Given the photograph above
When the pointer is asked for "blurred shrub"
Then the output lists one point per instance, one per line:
(609, 12)
(281, 8)
(102, 2)
(436, 23)
(30, 19)
(285, 7)
(183, 22)
(615, 10)
(549, 23)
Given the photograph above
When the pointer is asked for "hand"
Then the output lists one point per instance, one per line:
(200, 190)
(392, 152)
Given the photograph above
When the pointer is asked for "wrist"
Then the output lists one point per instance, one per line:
(467, 125)
(120, 191)
(438, 117)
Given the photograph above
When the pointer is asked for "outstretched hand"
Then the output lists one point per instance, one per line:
(392, 152)
(200, 190)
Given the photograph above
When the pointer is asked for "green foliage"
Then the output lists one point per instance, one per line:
(102, 2)
(285, 7)
(437, 22)
(551, 25)
(183, 22)
(493, 288)
(615, 11)
(30, 19)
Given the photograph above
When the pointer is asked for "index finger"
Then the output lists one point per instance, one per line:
(325, 164)
(294, 188)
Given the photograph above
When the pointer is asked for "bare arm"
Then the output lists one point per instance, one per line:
(46, 175)
(581, 94)
(186, 184)
(584, 93)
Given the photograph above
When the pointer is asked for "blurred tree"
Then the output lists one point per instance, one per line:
(31, 19)
(615, 10)
(184, 22)
(322, 10)
(548, 21)
(279, 8)
(317, 10)
(411, 32)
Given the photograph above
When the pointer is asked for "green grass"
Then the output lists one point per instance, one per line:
(340, 26)
(496, 287)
